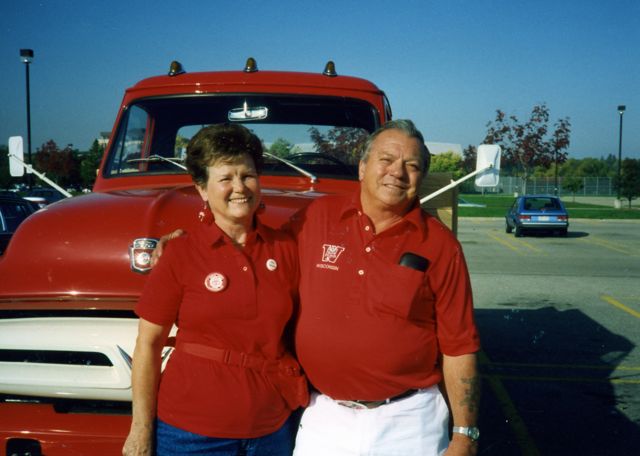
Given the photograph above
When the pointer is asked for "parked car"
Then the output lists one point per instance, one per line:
(44, 196)
(13, 211)
(537, 213)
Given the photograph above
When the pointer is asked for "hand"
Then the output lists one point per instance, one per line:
(461, 446)
(138, 443)
(157, 252)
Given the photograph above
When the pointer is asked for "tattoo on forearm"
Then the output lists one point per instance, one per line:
(471, 398)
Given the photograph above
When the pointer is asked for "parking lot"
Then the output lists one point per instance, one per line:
(560, 326)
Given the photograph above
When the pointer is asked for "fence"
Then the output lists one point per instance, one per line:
(591, 186)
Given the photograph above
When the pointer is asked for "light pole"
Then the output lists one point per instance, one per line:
(26, 57)
(621, 109)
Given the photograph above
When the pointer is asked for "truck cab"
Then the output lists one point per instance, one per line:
(73, 271)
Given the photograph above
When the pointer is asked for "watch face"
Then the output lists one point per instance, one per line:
(474, 433)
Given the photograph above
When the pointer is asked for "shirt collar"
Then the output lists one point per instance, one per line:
(352, 205)
(213, 234)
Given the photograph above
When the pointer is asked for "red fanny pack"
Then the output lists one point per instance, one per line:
(283, 373)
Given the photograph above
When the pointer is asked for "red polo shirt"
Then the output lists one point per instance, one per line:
(369, 328)
(248, 315)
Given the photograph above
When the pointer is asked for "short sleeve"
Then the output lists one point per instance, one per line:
(162, 293)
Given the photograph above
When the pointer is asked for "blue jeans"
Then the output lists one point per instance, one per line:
(172, 441)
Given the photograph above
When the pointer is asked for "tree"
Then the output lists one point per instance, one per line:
(90, 163)
(529, 144)
(344, 143)
(283, 148)
(574, 184)
(62, 166)
(447, 162)
(629, 179)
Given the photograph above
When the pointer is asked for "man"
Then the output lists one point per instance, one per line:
(386, 333)
(386, 315)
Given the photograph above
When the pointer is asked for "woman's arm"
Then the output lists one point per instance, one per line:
(145, 377)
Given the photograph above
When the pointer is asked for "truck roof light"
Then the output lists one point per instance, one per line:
(175, 68)
(330, 69)
(251, 66)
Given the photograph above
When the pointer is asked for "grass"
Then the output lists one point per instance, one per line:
(497, 206)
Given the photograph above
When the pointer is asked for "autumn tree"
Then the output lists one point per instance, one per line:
(343, 143)
(60, 165)
(529, 144)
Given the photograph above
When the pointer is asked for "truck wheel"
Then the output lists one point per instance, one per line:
(507, 228)
(518, 231)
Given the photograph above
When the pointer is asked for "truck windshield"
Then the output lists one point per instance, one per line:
(323, 135)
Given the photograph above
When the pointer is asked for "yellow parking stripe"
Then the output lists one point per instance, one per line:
(608, 245)
(504, 242)
(525, 442)
(620, 306)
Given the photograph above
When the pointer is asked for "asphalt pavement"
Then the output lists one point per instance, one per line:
(560, 327)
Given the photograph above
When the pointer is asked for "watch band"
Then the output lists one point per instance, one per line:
(472, 432)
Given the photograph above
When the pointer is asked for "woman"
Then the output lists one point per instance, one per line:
(230, 287)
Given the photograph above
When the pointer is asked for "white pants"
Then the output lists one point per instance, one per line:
(416, 425)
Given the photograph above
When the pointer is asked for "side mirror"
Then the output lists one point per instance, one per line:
(16, 150)
(488, 159)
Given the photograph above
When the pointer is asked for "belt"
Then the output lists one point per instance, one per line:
(234, 358)
(375, 404)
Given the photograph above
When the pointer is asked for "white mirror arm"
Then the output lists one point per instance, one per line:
(453, 184)
(30, 169)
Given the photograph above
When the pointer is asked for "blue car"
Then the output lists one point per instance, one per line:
(537, 213)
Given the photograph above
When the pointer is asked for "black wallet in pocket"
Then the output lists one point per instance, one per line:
(413, 261)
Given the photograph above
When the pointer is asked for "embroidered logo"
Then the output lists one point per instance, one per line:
(331, 253)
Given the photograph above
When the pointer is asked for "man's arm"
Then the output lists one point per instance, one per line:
(462, 384)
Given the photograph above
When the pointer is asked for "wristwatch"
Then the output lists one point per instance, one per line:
(472, 432)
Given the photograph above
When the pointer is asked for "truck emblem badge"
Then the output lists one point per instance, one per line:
(272, 265)
(215, 282)
(140, 254)
(330, 253)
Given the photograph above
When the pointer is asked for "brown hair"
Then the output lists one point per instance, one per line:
(222, 142)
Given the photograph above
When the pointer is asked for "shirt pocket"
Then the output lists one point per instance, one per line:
(403, 292)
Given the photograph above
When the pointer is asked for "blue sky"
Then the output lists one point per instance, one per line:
(448, 65)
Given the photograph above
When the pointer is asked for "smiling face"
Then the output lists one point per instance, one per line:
(232, 191)
(392, 172)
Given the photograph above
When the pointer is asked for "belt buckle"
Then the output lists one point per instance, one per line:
(352, 405)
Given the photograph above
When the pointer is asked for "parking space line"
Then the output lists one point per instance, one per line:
(504, 242)
(608, 245)
(515, 244)
(619, 305)
(520, 431)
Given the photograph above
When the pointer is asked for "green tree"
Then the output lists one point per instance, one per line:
(89, 164)
(448, 162)
(574, 184)
(283, 148)
(629, 179)
(530, 144)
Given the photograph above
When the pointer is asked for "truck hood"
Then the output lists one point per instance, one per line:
(77, 250)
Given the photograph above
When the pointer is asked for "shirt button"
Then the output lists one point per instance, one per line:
(368, 249)
(360, 272)
(244, 268)
(366, 228)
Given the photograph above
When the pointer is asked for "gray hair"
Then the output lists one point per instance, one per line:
(407, 127)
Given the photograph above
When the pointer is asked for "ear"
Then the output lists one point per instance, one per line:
(361, 166)
(203, 193)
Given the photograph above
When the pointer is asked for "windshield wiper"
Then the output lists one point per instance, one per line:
(159, 158)
(304, 172)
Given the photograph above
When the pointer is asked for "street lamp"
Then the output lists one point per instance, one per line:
(621, 109)
(26, 57)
